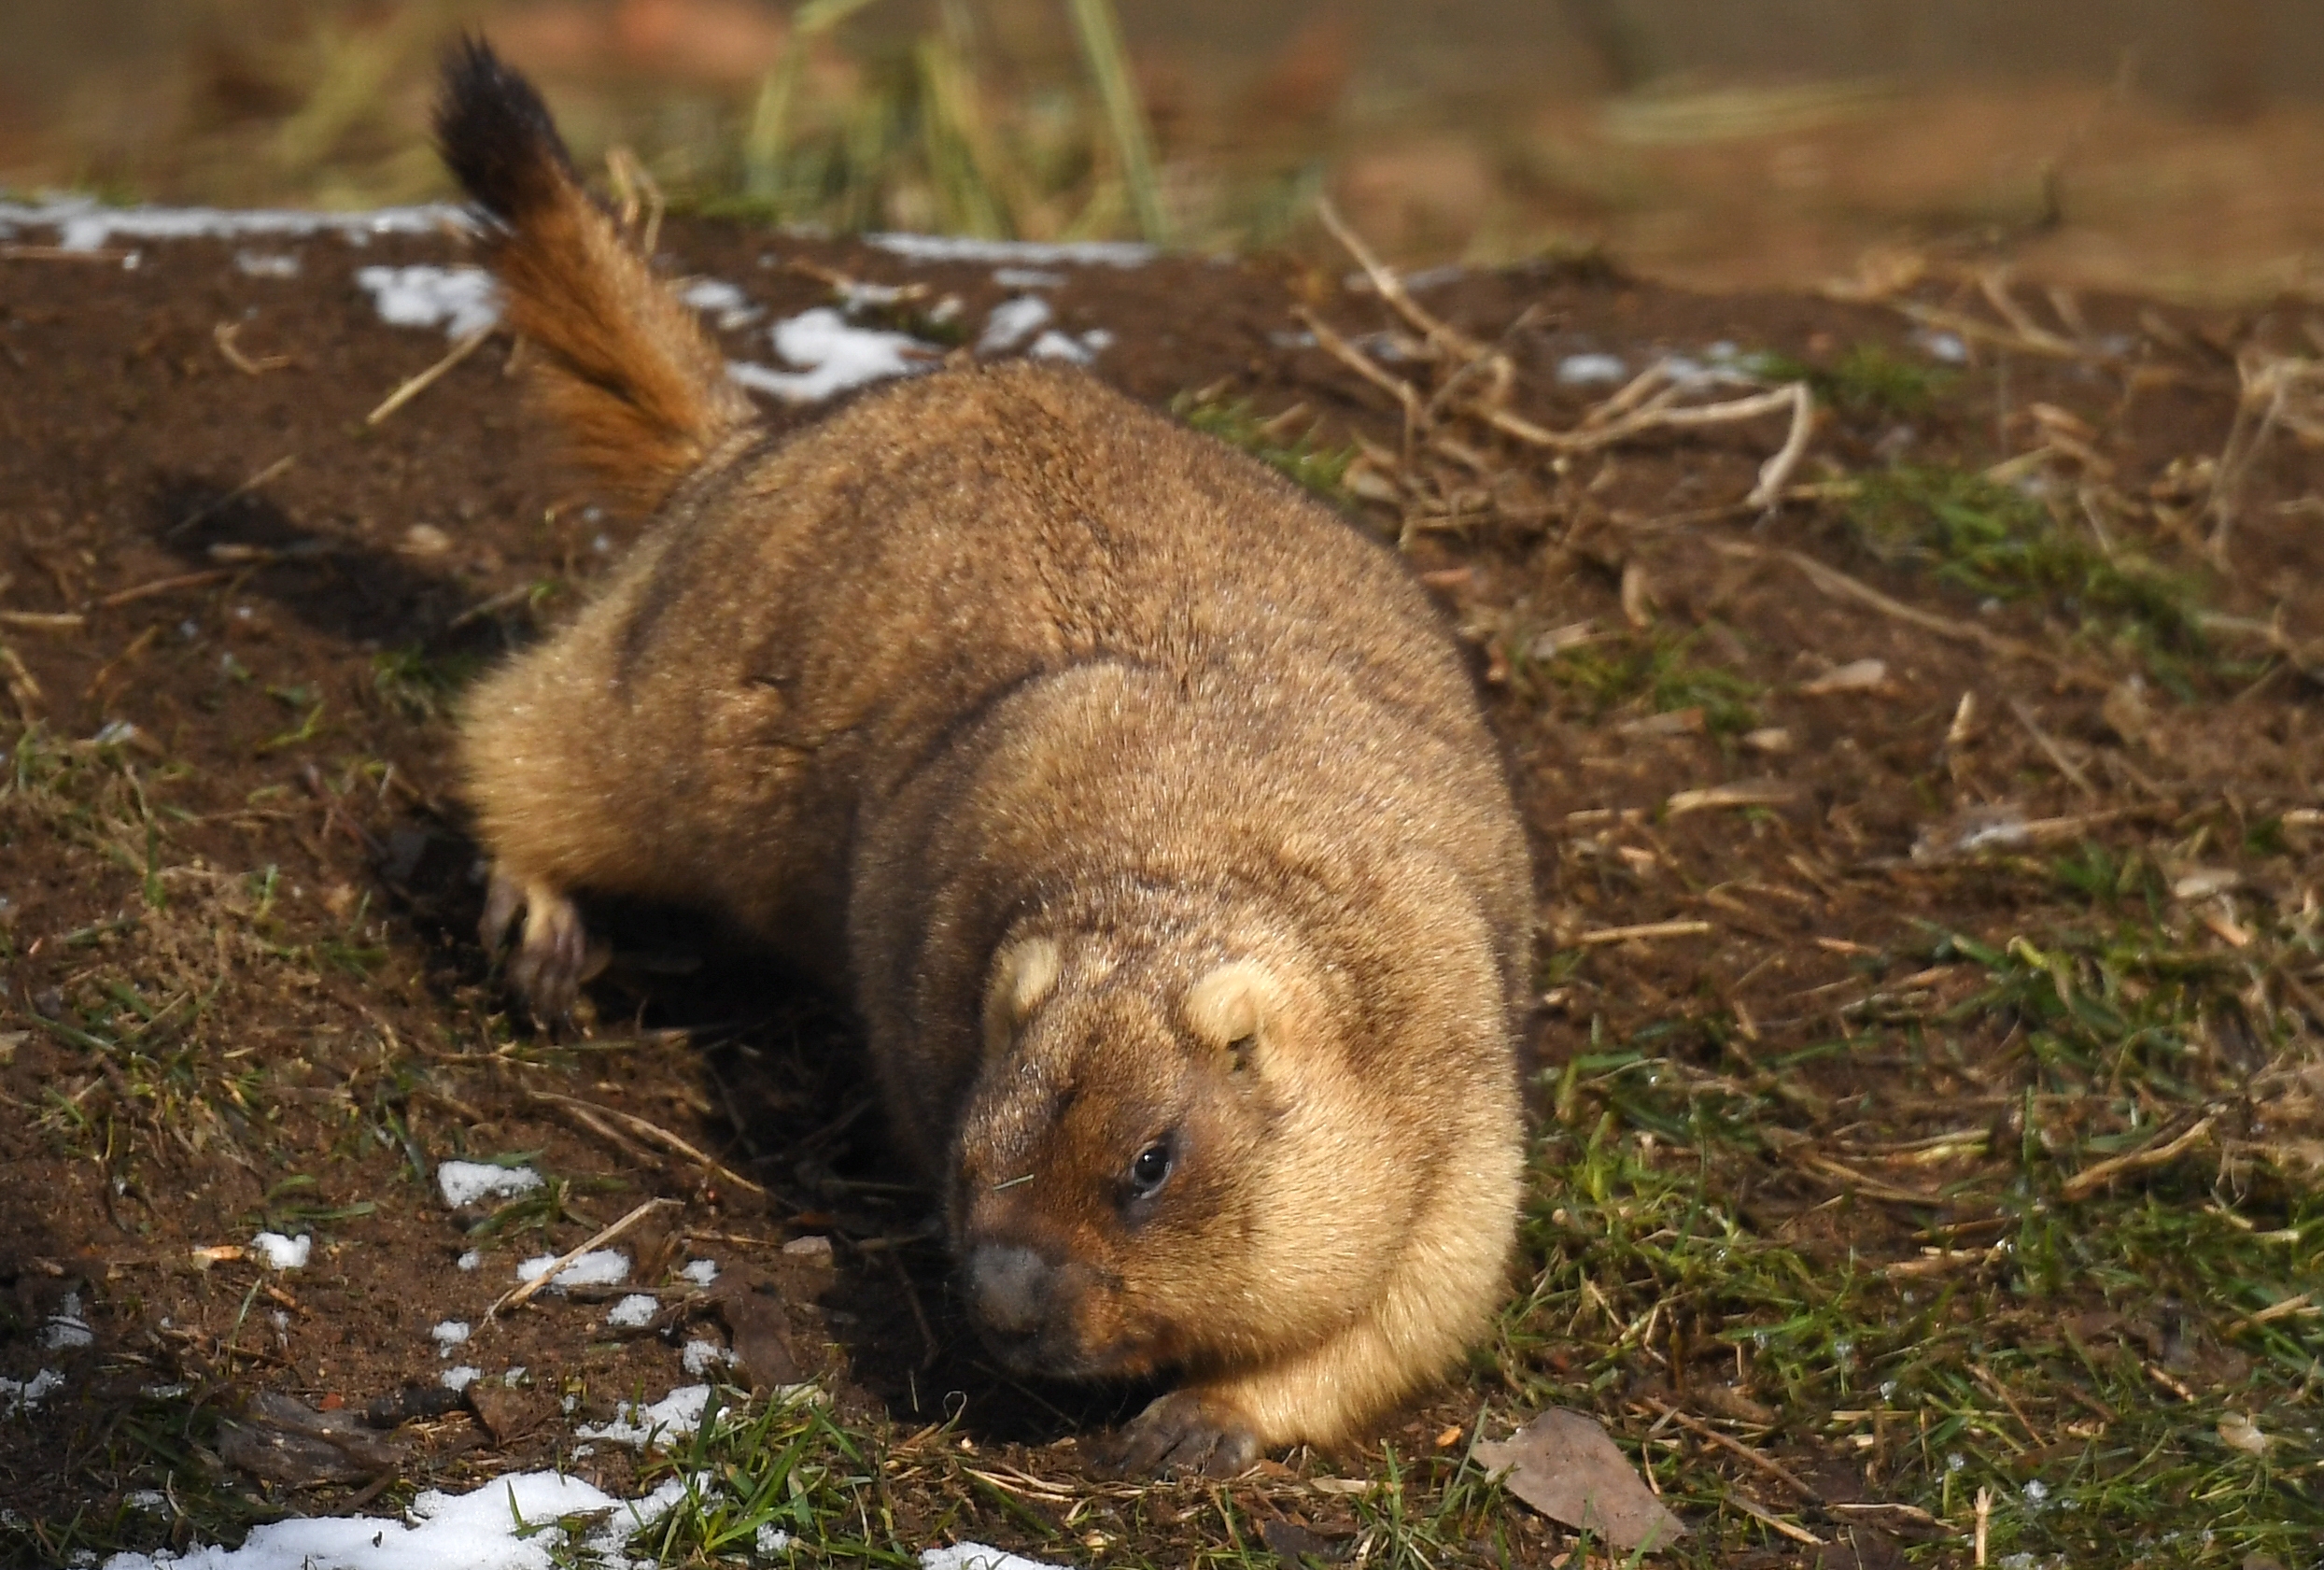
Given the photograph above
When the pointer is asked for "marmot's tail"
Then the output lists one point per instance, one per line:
(640, 389)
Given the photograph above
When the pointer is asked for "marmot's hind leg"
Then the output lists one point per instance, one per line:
(552, 957)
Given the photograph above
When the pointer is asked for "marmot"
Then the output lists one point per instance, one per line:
(1144, 807)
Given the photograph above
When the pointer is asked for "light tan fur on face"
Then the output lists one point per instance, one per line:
(1138, 801)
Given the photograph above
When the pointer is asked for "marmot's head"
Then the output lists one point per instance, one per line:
(1166, 1160)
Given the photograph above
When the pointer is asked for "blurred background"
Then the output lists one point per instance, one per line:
(2160, 144)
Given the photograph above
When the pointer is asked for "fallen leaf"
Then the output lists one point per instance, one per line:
(508, 1414)
(1563, 1465)
(752, 1306)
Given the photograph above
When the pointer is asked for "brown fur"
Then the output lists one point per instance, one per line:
(1144, 807)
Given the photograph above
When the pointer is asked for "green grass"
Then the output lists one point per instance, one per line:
(1867, 379)
(2086, 1351)
(1646, 674)
(1233, 421)
(1998, 543)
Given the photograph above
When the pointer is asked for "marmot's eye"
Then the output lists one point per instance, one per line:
(1151, 1168)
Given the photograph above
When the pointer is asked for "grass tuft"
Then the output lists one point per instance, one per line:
(1233, 421)
(1999, 543)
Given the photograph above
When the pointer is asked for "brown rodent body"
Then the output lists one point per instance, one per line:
(1144, 807)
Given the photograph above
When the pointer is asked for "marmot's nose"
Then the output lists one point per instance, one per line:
(1010, 1285)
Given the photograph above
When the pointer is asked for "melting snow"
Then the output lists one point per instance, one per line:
(461, 299)
(510, 1523)
(1588, 370)
(701, 1272)
(284, 1254)
(723, 299)
(458, 1376)
(700, 1357)
(975, 1556)
(632, 1311)
(679, 1411)
(1029, 253)
(450, 1334)
(83, 223)
(599, 1268)
(266, 264)
(837, 355)
(1026, 277)
(65, 1328)
(1012, 321)
(28, 1393)
(465, 1182)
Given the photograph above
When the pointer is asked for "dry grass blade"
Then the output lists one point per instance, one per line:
(1736, 1448)
(224, 334)
(2159, 1152)
(653, 1134)
(2284, 391)
(1643, 932)
(1391, 289)
(516, 1297)
(1832, 581)
(434, 374)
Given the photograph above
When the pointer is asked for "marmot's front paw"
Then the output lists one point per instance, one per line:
(552, 957)
(1182, 1431)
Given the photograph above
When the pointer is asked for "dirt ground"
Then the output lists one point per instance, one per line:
(237, 899)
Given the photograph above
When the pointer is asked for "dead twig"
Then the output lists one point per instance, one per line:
(434, 374)
(653, 1134)
(223, 336)
(1736, 1448)
(517, 1296)
(1832, 581)
(1641, 931)
(166, 586)
(264, 477)
(43, 621)
(2064, 765)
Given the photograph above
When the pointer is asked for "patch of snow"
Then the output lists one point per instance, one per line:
(144, 1499)
(28, 1393)
(284, 1254)
(1949, 348)
(67, 1328)
(1054, 345)
(723, 299)
(1591, 370)
(1027, 278)
(84, 223)
(836, 355)
(472, 1259)
(597, 1268)
(679, 1411)
(1012, 321)
(701, 1272)
(700, 1357)
(633, 1311)
(459, 1377)
(971, 1556)
(459, 299)
(1029, 253)
(509, 1524)
(465, 1182)
(266, 264)
(771, 1541)
(450, 1334)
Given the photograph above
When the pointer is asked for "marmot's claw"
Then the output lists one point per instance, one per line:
(552, 959)
(1180, 1433)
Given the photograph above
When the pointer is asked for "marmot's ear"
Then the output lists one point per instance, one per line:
(1233, 1008)
(1024, 974)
